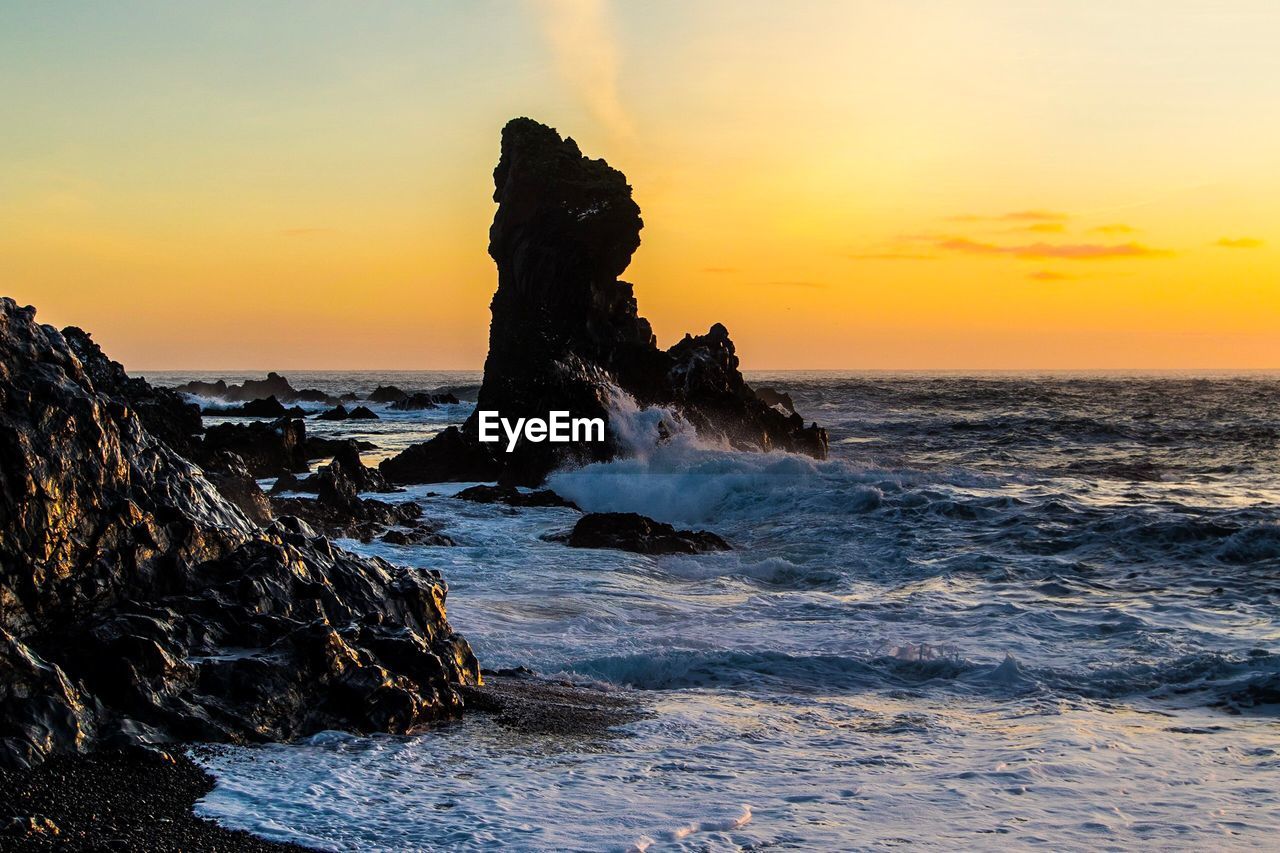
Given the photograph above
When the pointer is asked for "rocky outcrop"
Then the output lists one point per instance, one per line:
(165, 413)
(386, 394)
(268, 449)
(338, 509)
(268, 408)
(139, 605)
(450, 456)
(566, 331)
(511, 496)
(341, 413)
(422, 400)
(250, 390)
(627, 531)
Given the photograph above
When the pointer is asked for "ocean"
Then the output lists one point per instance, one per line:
(1010, 611)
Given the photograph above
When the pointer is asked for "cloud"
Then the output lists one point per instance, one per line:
(893, 256)
(1036, 216)
(1042, 251)
(1050, 275)
(1044, 228)
(1114, 228)
(1015, 216)
(580, 35)
(1240, 243)
(719, 270)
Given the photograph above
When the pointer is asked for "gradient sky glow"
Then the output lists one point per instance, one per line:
(994, 184)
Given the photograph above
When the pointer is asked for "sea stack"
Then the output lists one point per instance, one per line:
(566, 330)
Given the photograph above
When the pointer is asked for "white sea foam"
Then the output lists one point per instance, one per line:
(945, 636)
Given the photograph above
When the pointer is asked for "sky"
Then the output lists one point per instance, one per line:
(994, 184)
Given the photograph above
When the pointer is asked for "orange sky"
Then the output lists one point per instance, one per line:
(988, 185)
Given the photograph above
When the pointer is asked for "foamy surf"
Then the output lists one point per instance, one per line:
(981, 625)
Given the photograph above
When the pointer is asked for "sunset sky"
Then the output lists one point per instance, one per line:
(861, 185)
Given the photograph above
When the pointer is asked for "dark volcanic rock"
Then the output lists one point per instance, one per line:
(449, 456)
(341, 413)
(414, 402)
(337, 509)
(137, 604)
(346, 456)
(511, 496)
(627, 531)
(229, 475)
(268, 408)
(566, 332)
(274, 385)
(268, 449)
(165, 413)
(777, 398)
(422, 400)
(386, 394)
(318, 448)
(416, 536)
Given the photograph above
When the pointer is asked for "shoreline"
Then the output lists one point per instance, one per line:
(136, 800)
(144, 799)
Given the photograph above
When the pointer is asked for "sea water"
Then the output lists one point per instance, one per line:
(1009, 611)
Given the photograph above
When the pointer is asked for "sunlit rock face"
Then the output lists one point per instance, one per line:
(565, 328)
(137, 604)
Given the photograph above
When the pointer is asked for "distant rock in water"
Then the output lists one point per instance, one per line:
(139, 605)
(565, 328)
(423, 400)
(342, 413)
(274, 386)
(627, 531)
(268, 408)
(386, 394)
(511, 496)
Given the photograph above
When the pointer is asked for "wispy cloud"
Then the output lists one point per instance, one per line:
(893, 256)
(1114, 229)
(580, 34)
(1050, 275)
(1015, 216)
(1044, 228)
(1042, 251)
(1240, 243)
(719, 270)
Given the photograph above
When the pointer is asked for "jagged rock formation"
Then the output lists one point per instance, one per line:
(268, 449)
(137, 604)
(565, 328)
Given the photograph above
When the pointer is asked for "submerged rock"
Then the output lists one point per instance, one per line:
(140, 605)
(422, 400)
(566, 331)
(628, 531)
(342, 413)
(511, 496)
